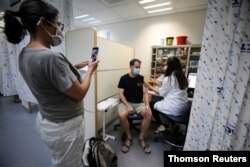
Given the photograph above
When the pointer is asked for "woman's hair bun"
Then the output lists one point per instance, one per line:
(13, 29)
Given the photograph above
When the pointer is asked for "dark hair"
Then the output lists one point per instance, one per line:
(174, 66)
(132, 62)
(18, 23)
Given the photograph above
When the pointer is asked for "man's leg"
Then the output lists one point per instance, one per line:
(123, 117)
(147, 116)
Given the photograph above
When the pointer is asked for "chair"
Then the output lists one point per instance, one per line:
(131, 118)
(174, 137)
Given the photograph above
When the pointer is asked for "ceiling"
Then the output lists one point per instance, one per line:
(109, 11)
(102, 12)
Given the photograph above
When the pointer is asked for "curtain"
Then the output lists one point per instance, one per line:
(1, 67)
(12, 81)
(220, 117)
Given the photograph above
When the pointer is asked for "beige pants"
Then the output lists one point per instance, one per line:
(65, 140)
(137, 107)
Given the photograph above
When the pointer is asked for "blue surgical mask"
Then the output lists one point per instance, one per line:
(136, 71)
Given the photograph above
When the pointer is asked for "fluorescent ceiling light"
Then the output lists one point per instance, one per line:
(160, 10)
(157, 5)
(82, 16)
(145, 1)
(90, 19)
(93, 22)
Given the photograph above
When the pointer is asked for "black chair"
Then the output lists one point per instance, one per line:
(132, 125)
(174, 136)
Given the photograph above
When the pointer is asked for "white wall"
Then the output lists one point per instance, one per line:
(141, 34)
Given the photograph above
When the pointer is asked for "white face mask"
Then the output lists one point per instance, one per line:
(58, 37)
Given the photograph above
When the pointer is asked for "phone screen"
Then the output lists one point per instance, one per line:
(94, 53)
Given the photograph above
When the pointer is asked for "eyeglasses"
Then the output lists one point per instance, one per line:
(61, 26)
(57, 25)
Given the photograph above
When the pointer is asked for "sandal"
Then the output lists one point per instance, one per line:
(146, 148)
(160, 129)
(17, 101)
(125, 147)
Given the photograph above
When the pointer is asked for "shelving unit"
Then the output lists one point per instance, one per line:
(194, 58)
(161, 53)
(189, 56)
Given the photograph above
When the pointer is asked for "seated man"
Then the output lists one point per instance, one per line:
(131, 92)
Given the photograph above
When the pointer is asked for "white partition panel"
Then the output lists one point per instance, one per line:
(108, 82)
(113, 55)
(79, 44)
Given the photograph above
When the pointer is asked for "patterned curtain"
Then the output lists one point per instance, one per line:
(1, 66)
(220, 117)
(12, 81)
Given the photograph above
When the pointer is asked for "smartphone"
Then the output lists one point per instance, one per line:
(94, 53)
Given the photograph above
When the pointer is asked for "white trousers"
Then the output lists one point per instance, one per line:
(65, 140)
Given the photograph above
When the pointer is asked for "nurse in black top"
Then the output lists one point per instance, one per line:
(131, 93)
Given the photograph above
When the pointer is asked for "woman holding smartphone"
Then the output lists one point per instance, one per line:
(53, 80)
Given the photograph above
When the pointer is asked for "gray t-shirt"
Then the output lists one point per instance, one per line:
(48, 74)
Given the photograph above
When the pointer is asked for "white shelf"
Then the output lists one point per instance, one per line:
(170, 46)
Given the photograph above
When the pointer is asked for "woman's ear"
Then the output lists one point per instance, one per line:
(42, 21)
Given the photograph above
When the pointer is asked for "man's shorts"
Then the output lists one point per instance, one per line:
(137, 107)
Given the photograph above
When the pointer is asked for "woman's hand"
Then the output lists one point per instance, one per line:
(153, 81)
(151, 87)
(92, 65)
(81, 64)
